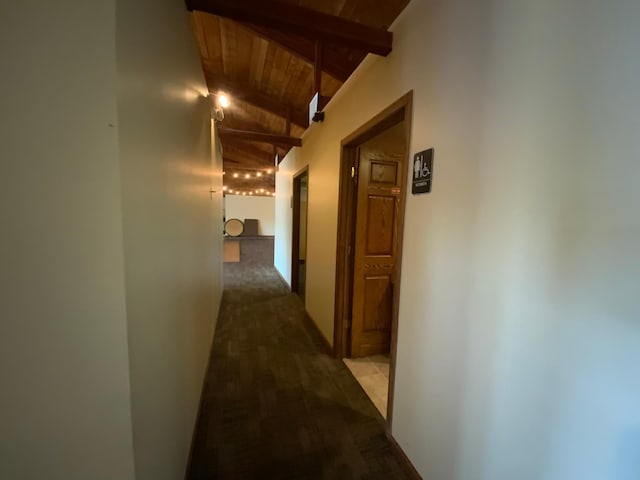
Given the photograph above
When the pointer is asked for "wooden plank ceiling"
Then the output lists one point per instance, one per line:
(268, 57)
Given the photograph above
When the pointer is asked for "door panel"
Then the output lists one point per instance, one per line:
(377, 303)
(381, 217)
(380, 190)
(384, 173)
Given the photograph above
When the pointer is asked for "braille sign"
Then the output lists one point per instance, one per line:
(422, 172)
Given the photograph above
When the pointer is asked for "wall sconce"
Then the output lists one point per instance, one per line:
(219, 101)
(223, 100)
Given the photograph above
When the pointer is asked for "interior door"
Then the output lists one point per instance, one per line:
(299, 231)
(380, 187)
(302, 236)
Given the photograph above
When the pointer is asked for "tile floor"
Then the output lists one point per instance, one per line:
(372, 373)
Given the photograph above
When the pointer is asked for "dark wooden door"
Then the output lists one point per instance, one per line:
(299, 230)
(380, 186)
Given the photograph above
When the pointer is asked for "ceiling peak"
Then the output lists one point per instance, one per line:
(301, 21)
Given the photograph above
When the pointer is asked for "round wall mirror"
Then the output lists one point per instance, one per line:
(233, 227)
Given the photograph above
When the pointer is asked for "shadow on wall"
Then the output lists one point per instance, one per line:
(627, 456)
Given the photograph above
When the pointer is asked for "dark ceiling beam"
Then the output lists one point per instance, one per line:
(317, 69)
(285, 140)
(233, 164)
(259, 99)
(302, 21)
(236, 122)
(335, 63)
(250, 148)
(239, 150)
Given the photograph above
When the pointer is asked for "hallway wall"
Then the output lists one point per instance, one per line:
(172, 228)
(64, 370)
(259, 207)
(106, 170)
(284, 215)
(519, 315)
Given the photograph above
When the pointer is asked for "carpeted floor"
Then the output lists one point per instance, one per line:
(276, 405)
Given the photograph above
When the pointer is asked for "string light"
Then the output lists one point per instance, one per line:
(248, 176)
(251, 192)
(256, 174)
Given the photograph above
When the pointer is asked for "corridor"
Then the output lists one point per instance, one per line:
(276, 405)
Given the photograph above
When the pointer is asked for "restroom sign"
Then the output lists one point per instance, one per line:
(422, 172)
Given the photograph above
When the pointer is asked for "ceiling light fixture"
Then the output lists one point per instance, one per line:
(217, 106)
(223, 100)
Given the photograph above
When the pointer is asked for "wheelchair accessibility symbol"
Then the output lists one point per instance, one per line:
(422, 170)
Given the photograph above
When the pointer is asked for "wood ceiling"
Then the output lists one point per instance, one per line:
(269, 58)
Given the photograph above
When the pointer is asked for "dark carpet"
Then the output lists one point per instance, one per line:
(276, 405)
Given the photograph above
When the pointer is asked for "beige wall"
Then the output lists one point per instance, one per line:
(519, 330)
(64, 372)
(172, 228)
(284, 214)
(261, 208)
(104, 330)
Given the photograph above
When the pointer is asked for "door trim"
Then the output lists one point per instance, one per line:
(399, 111)
(295, 226)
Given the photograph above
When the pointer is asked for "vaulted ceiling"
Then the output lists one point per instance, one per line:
(270, 58)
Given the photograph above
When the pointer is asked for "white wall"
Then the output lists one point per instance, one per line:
(64, 380)
(284, 215)
(96, 136)
(262, 208)
(519, 327)
(172, 228)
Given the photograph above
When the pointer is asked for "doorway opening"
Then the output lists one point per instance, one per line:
(373, 179)
(299, 240)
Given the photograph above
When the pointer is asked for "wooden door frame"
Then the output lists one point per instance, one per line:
(295, 226)
(399, 111)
